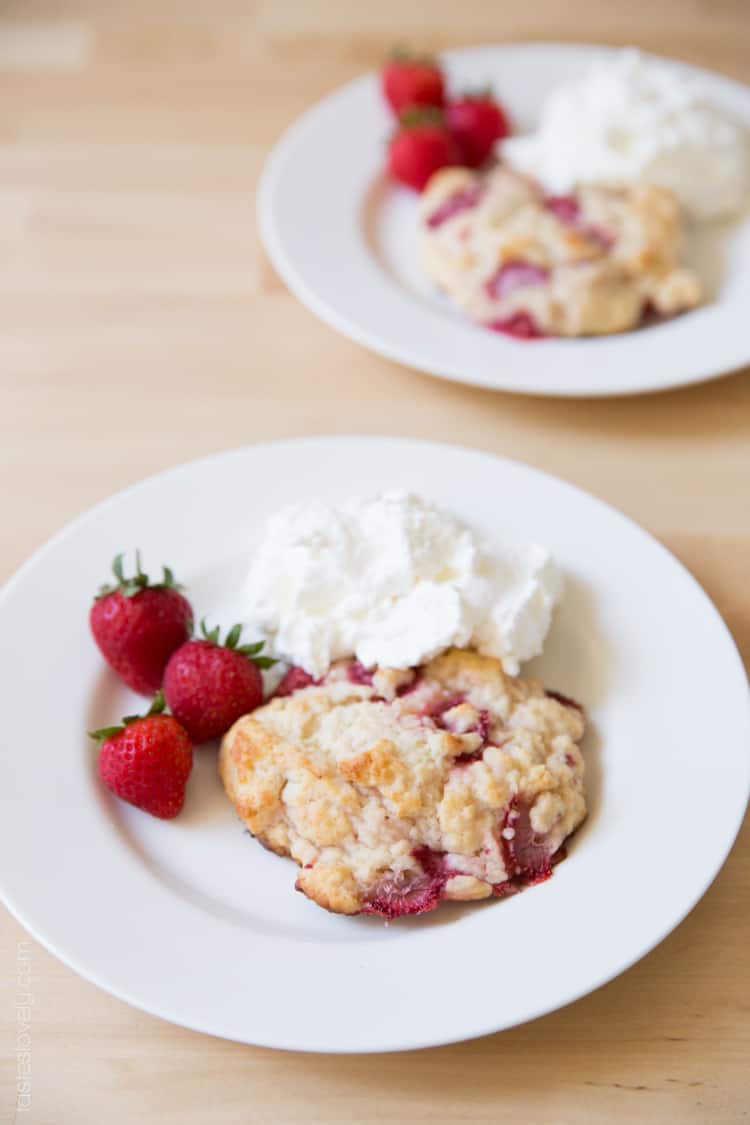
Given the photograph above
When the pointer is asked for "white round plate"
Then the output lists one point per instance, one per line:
(193, 921)
(344, 239)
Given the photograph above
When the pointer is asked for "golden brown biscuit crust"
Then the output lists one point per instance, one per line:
(609, 254)
(451, 781)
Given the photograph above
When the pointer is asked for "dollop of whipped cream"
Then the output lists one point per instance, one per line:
(394, 581)
(632, 119)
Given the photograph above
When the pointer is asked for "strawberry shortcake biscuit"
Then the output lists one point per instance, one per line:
(396, 789)
(528, 264)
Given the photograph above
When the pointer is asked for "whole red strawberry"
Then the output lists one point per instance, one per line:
(477, 122)
(409, 80)
(421, 147)
(137, 626)
(147, 760)
(209, 685)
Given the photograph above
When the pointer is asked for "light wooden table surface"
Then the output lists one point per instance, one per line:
(140, 325)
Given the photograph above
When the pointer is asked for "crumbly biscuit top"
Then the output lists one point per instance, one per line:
(591, 263)
(394, 793)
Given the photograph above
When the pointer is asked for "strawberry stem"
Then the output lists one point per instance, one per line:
(401, 54)
(233, 636)
(421, 115)
(158, 706)
(117, 568)
(212, 636)
(129, 587)
(104, 733)
(251, 651)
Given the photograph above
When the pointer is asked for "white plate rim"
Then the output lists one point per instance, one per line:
(567, 354)
(131, 996)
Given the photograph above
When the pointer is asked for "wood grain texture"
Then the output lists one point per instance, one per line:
(140, 325)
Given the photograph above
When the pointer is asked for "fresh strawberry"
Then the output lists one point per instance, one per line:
(147, 760)
(209, 685)
(409, 80)
(477, 122)
(420, 147)
(137, 626)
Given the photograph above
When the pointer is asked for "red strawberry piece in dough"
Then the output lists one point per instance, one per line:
(147, 761)
(437, 708)
(468, 758)
(409, 80)
(483, 725)
(527, 854)
(568, 211)
(411, 685)
(409, 892)
(456, 204)
(138, 625)
(483, 730)
(295, 679)
(421, 146)
(358, 674)
(209, 685)
(509, 887)
(478, 122)
(515, 275)
(566, 207)
(521, 325)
